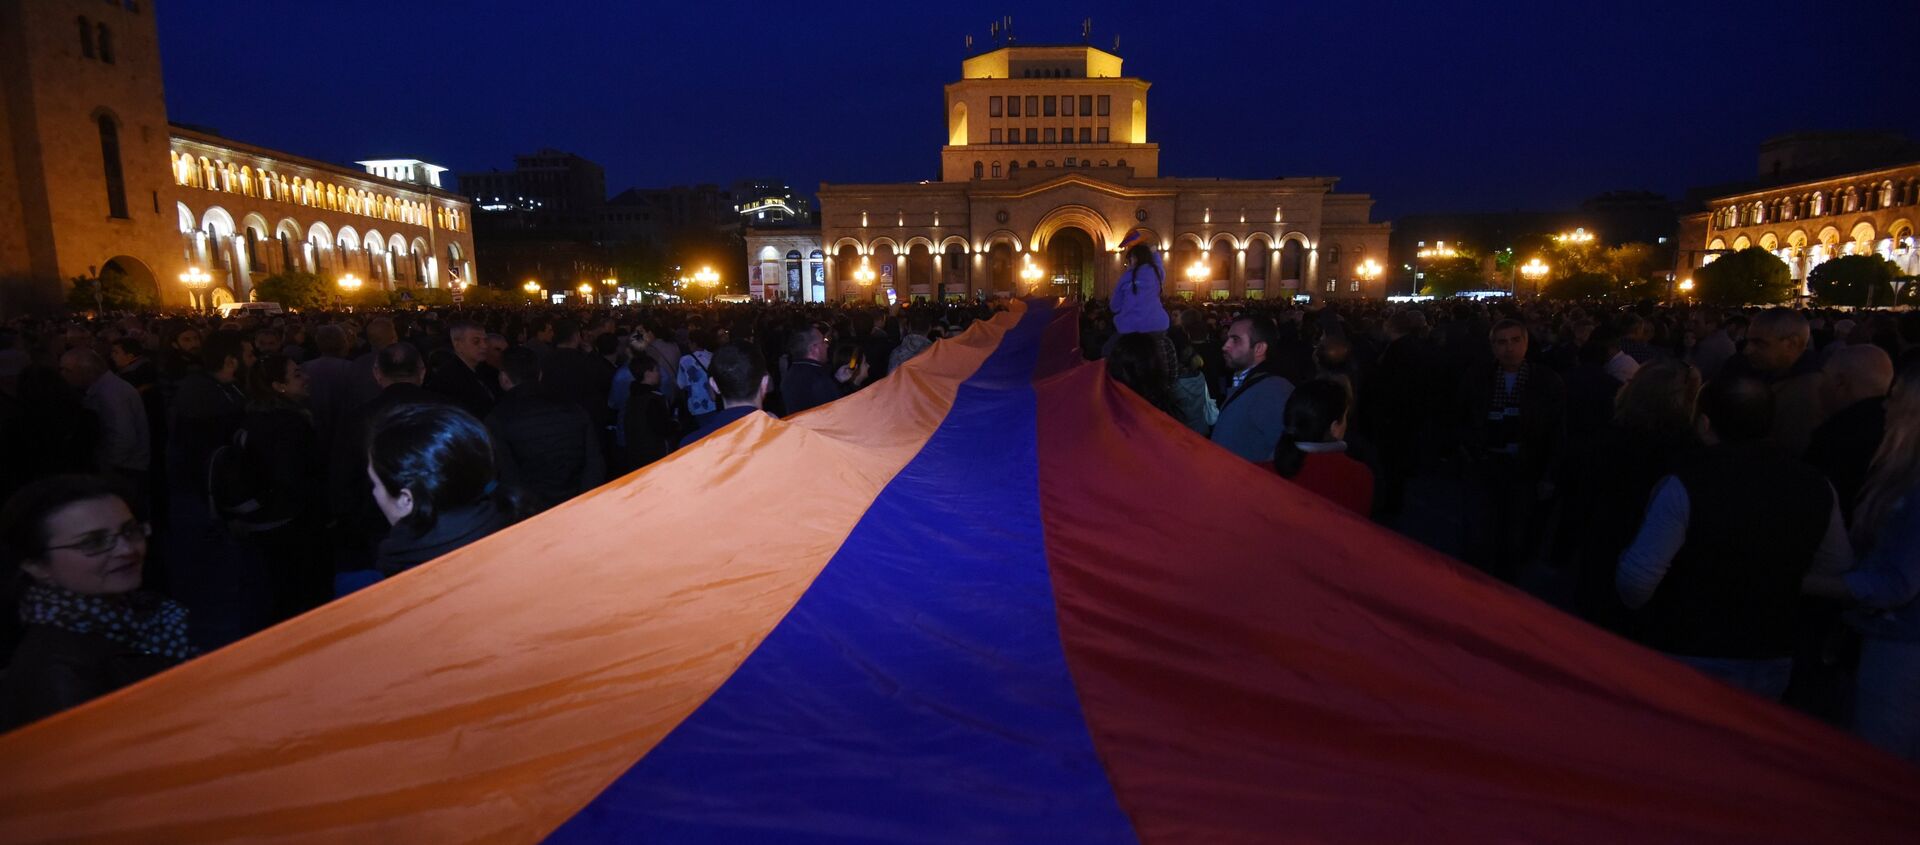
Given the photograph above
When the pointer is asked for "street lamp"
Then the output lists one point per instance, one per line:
(1198, 271)
(863, 274)
(532, 288)
(1427, 255)
(348, 283)
(197, 282)
(586, 293)
(1367, 270)
(1577, 237)
(1030, 272)
(1535, 270)
(612, 287)
(708, 279)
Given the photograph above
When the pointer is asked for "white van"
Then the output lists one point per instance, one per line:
(228, 309)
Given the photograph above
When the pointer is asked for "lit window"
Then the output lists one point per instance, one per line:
(996, 170)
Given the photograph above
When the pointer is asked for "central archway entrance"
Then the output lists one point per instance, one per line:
(1070, 262)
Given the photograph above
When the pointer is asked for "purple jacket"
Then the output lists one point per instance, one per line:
(1136, 299)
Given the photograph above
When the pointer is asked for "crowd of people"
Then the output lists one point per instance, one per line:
(1728, 486)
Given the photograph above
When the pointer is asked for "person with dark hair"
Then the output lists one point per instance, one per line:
(1857, 381)
(1512, 437)
(647, 429)
(1779, 352)
(207, 408)
(1135, 362)
(465, 379)
(1392, 414)
(691, 377)
(1885, 583)
(545, 445)
(124, 447)
(917, 339)
(87, 628)
(1313, 450)
(329, 380)
(1254, 412)
(1193, 403)
(281, 455)
(1608, 476)
(432, 474)
(540, 332)
(573, 373)
(398, 373)
(739, 377)
(1715, 570)
(1136, 300)
(807, 384)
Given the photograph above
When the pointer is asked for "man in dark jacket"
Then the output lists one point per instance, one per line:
(398, 370)
(1716, 567)
(1394, 409)
(806, 383)
(1842, 448)
(545, 445)
(574, 374)
(466, 380)
(1511, 437)
(739, 377)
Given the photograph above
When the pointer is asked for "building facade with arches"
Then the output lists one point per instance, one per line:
(1046, 169)
(1807, 223)
(94, 179)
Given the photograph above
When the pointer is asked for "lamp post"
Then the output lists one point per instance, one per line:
(1578, 237)
(197, 282)
(1197, 271)
(348, 284)
(1030, 272)
(586, 294)
(532, 288)
(1427, 255)
(1686, 288)
(613, 286)
(864, 274)
(1368, 271)
(708, 279)
(1536, 271)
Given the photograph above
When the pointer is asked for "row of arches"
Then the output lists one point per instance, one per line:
(1098, 230)
(1803, 252)
(1851, 199)
(239, 253)
(200, 172)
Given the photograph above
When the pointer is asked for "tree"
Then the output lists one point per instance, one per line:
(1584, 285)
(109, 291)
(294, 289)
(1449, 276)
(1856, 280)
(1752, 276)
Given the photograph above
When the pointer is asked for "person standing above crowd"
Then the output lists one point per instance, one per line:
(546, 445)
(1254, 412)
(692, 377)
(1313, 450)
(88, 628)
(1715, 570)
(466, 380)
(1778, 353)
(1513, 434)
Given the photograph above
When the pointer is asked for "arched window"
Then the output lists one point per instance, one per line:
(996, 170)
(979, 170)
(1819, 203)
(86, 37)
(110, 160)
(1013, 168)
(1886, 194)
(106, 43)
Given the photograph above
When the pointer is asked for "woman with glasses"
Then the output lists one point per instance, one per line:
(76, 550)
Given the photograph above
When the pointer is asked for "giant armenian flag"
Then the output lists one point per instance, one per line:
(993, 598)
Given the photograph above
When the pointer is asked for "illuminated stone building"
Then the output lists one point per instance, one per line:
(94, 179)
(1808, 214)
(1047, 165)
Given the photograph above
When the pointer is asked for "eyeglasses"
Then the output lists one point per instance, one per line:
(97, 543)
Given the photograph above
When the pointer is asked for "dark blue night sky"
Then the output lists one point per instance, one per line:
(1429, 107)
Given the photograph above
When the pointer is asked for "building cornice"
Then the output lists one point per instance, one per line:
(1813, 184)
